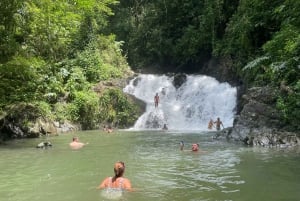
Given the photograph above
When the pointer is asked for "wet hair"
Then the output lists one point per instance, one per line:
(119, 169)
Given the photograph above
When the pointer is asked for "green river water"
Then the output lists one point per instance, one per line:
(158, 170)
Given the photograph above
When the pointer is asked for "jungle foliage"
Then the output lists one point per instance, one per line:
(53, 52)
(260, 37)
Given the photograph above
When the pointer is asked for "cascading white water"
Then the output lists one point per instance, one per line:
(189, 107)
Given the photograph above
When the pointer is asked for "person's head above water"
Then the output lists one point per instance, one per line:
(195, 147)
(119, 168)
(181, 145)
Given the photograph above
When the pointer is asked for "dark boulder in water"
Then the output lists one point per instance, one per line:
(44, 145)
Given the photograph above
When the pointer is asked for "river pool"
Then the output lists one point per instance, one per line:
(158, 170)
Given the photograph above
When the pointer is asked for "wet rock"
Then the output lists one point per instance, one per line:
(44, 145)
(259, 122)
(26, 121)
(179, 79)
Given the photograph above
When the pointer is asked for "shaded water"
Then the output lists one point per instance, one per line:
(158, 170)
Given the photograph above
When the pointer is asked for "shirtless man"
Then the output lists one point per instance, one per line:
(156, 100)
(75, 144)
(218, 124)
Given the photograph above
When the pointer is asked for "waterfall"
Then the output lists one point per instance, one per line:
(188, 107)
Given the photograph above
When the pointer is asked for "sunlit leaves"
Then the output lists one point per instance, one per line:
(84, 109)
(49, 28)
(20, 80)
(285, 44)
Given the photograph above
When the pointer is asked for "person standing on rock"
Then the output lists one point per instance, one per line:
(156, 100)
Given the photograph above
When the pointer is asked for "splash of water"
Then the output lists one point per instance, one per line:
(188, 107)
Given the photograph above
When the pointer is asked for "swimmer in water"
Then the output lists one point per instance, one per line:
(195, 147)
(75, 144)
(181, 145)
(117, 181)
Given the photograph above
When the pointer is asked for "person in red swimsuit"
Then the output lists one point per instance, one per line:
(117, 181)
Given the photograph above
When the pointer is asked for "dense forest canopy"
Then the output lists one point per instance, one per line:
(52, 52)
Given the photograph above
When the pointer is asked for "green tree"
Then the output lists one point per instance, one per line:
(115, 108)
(20, 80)
(9, 12)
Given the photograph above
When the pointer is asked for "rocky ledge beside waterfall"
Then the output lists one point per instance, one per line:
(258, 122)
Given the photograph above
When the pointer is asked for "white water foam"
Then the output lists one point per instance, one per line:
(189, 107)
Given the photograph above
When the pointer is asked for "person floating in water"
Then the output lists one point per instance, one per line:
(75, 144)
(156, 100)
(219, 123)
(117, 181)
(210, 124)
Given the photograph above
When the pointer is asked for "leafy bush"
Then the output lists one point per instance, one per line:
(84, 109)
(20, 80)
(115, 108)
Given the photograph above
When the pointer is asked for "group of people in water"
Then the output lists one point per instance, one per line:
(118, 181)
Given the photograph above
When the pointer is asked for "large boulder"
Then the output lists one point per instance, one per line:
(259, 121)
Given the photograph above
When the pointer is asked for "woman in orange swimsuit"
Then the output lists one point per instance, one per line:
(118, 181)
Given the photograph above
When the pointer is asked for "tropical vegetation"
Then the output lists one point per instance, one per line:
(260, 38)
(53, 52)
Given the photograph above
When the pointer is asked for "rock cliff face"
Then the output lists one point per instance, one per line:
(259, 122)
